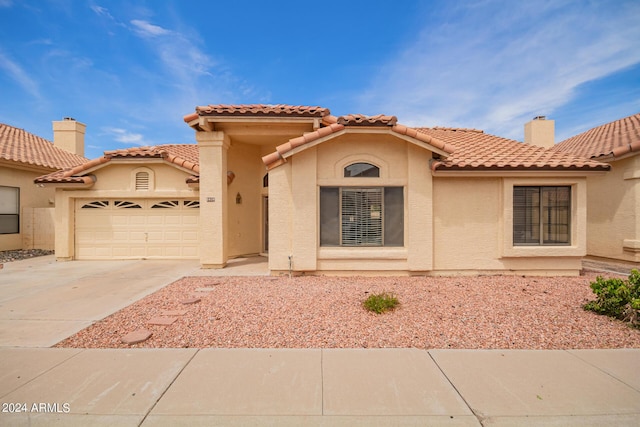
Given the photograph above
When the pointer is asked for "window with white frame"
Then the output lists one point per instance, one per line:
(9, 210)
(541, 215)
(361, 216)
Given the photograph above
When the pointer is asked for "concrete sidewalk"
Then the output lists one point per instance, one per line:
(319, 387)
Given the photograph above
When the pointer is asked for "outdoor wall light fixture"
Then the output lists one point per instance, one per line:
(238, 199)
(230, 177)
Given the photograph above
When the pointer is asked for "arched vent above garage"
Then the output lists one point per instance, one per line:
(142, 181)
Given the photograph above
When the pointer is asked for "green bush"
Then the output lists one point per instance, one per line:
(617, 298)
(380, 303)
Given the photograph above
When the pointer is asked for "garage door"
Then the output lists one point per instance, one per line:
(137, 229)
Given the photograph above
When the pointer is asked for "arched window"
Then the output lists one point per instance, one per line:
(361, 170)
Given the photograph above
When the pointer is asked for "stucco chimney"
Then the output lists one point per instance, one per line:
(540, 132)
(68, 134)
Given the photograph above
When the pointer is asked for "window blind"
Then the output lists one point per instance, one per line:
(361, 216)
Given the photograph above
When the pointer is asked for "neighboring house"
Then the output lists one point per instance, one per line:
(24, 157)
(343, 194)
(613, 209)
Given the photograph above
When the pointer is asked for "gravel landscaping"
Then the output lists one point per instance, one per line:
(20, 254)
(486, 312)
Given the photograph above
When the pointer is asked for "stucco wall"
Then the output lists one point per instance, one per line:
(31, 196)
(467, 223)
(452, 224)
(280, 217)
(294, 205)
(473, 228)
(245, 218)
(613, 229)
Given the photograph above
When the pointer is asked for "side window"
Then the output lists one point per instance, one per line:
(541, 215)
(9, 210)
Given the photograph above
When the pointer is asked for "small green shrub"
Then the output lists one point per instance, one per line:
(617, 298)
(380, 303)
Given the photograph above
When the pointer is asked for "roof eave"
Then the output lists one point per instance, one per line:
(296, 145)
(81, 182)
(30, 167)
(440, 170)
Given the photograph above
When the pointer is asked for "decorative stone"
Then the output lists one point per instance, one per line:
(190, 300)
(162, 321)
(173, 312)
(136, 336)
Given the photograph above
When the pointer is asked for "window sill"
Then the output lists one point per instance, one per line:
(629, 245)
(543, 251)
(377, 252)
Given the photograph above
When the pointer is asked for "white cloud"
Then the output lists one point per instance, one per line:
(19, 75)
(99, 10)
(124, 136)
(494, 65)
(145, 29)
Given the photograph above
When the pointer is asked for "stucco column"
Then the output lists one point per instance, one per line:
(64, 215)
(304, 239)
(213, 148)
(419, 213)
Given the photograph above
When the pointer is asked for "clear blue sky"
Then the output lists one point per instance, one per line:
(130, 70)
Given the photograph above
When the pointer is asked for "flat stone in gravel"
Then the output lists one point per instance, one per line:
(173, 312)
(162, 321)
(190, 300)
(136, 336)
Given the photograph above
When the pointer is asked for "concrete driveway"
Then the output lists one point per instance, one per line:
(43, 301)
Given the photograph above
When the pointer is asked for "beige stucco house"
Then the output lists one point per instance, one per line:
(320, 194)
(26, 214)
(613, 207)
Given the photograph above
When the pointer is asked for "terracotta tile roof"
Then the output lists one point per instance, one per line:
(476, 150)
(334, 125)
(362, 120)
(258, 110)
(20, 146)
(183, 155)
(609, 140)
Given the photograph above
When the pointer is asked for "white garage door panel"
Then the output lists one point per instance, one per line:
(107, 229)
